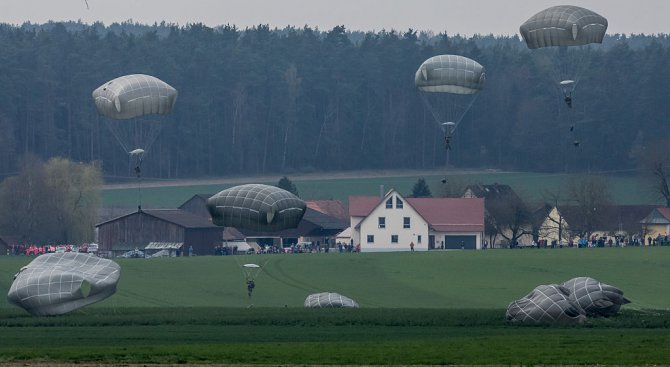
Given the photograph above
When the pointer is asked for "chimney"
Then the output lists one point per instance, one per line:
(381, 191)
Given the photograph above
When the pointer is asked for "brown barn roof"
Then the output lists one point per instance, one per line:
(333, 208)
(610, 218)
(179, 217)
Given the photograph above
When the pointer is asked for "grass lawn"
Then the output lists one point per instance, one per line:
(624, 189)
(444, 307)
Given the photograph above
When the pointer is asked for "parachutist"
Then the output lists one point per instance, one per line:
(444, 180)
(576, 143)
(138, 171)
(572, 127)
(447, 142)
(568, 101)
(250, 286)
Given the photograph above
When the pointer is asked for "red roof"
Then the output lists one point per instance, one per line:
(361, 206)
(331, 207)
(442, 214)
(664, 212)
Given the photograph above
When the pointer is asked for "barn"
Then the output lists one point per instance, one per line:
(136, 230)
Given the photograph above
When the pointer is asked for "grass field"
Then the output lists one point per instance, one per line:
(624, 189)
(416, 308)
(442, 279)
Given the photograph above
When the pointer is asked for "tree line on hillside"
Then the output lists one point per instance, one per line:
(258, 100)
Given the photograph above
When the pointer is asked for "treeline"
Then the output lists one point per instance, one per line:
(260, 101)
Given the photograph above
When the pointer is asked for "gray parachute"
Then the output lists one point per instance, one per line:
(329, 300)
(595, 298)
(545, 304)
(563, 25)
(450, 74)
(133, 96)
(58, 283)
(256, 207)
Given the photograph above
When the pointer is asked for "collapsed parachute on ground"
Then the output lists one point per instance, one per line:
(58, 283)
(256, 207)
(329, 300)
(134, 95)
(595, 298)
(563, 25)
(546, 303)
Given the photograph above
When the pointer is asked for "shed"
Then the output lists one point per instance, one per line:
(138, 229)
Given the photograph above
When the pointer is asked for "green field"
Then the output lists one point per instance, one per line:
(416, 308)
(624, 189)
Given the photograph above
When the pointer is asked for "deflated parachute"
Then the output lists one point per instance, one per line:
(256, 207)
(546, 303)
(563, 25)
(329, 300)
(58, 283)
(595, 298)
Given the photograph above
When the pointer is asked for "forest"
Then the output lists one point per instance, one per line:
(263, 101)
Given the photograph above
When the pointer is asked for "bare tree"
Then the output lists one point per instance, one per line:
(509, 217)
(591, 193)
(654, 162)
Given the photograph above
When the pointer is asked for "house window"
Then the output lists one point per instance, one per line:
(382, 222)
(418, 239)
(398, 203)
(389, 203)
(371, 238)
(405, 222)
(394, 238)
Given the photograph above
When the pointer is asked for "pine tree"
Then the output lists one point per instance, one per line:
(421, 189)
(286, 184)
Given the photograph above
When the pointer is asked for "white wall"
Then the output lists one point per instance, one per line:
(394, 218)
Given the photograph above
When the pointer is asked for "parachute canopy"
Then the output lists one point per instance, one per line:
(253, 266)
(57, 283)
(563, 25)
(546, 303)
(329, 300)
(450, 74)
(256, 207)
(595, 298)
(133, 96)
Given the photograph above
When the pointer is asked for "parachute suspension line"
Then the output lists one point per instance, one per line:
(113, 129)
(426, 102)
(472, 101)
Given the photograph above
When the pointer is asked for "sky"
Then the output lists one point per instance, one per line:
(465, 17)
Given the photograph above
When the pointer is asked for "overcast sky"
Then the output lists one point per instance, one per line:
(466, 17)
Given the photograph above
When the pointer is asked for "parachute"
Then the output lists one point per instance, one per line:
(546, 303)
(329, 300)
(449, 85)
(126, 101)
(595, 298)
(256, 207)
(57, 283)
(564, 27)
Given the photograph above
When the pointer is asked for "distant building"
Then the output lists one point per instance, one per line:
(393, 223)
(197, 205)
(136, 230)
(656, 223)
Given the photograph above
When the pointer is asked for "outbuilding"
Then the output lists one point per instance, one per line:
(136, 230)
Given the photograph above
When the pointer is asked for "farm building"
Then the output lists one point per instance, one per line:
(502, 205)
(315, 228)
(609, 221)
(656, 223)
(392, 222)
(197, 205)
(136, 230)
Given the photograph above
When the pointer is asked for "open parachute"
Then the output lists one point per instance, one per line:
(449, 85)
(563, 27)
(127, 101)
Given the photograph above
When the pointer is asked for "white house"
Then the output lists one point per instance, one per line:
(393, 223)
